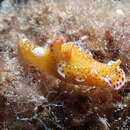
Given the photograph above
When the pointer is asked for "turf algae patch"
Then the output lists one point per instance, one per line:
(31, 101)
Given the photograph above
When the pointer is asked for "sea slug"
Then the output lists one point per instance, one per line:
(69, 62)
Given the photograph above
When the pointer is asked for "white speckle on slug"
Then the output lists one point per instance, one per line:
(60, 69)
(61, 72)
(24, 40)
(107, 80)
(111, 62)
(39, 51)
(80, 79)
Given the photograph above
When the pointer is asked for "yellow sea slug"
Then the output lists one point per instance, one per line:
(68, 62)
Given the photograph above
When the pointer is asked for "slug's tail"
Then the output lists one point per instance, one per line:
(34, 54)
(29, 51)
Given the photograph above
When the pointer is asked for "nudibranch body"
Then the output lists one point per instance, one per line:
(68, 62)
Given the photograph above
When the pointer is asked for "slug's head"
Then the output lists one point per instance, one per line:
(115, 77)
(56, 46)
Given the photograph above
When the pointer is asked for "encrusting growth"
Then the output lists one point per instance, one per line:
(68, 62)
